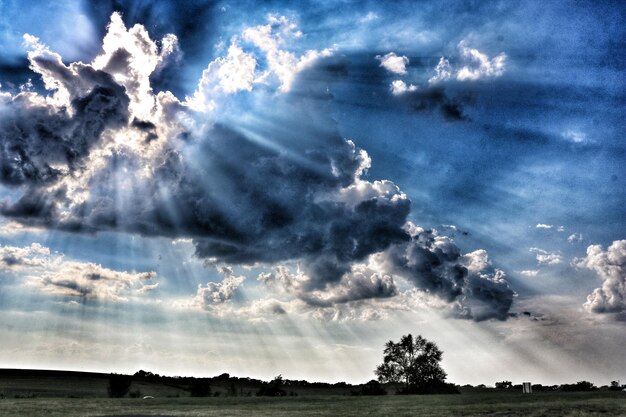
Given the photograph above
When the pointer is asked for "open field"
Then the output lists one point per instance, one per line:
(467, 404)
(68, 394)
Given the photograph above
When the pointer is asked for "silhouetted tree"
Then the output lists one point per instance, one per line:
(119, 385)
(200, 388)
(504, 384)
(273, 389)
(373, 388)
(413, 362)
(579, 386)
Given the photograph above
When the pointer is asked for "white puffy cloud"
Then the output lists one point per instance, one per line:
(531, 273)
(230, 74)
(544, 226)
(443, 71)
(478, 65)
(610, 265)
(546, 258)
(240, 69)
(476, 261)
(52, 274)
(398, 87)
(131, 57)
(13, 258)
(218, 292)
(271, 38)
(393, 63)
(474, 65)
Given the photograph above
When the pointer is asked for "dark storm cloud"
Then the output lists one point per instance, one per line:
(434, 98)
(435, 264)
(40, 145)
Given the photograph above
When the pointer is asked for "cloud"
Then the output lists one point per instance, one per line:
(261, 189)
(434, 264)
(610, 265)
(443, 71)
(12, 228)
(545, 257)
(575, 237)
(52, 274)
(474, 65)
(230, 74)
(478, 65)
(399, 87)
(218, 292)
(369, 17)
(531, 273)
(393, 63)
(281, 63)
(430, 263)
(544, 226)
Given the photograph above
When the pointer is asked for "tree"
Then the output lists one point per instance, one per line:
(273, 389)
(119, 385)
(200, 388)
(504, 384)
(413, 362)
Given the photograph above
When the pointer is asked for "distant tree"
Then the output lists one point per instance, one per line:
(504, 384)
(273, 388)
(615, 386)
(413, 362)
(579, 386)
(200, 388)
(119, 385)
(373, 387)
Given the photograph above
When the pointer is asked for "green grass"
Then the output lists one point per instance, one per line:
(494, 403)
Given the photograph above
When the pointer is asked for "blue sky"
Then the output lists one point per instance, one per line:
(178, 184)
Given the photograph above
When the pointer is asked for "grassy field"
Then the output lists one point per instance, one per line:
(467, 404)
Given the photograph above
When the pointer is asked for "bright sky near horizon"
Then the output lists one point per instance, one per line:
(280, 188)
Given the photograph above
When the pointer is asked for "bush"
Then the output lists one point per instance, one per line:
(119, 385)
(135, 394)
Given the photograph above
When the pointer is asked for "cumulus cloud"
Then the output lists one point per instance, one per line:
(610, 265)
(271, 38)
(241, 68)
(544, 226)
(52, 274)
(393, 63)
(443, 71)
(218, 292)
(429, 262)
(474, 65)
(230, 74)
(103, 152)
(479, 65)
(546, 258)
(399, 87)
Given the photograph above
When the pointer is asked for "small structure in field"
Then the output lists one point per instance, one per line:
(527, 388)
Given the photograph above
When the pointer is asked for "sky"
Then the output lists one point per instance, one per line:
(266, 188)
